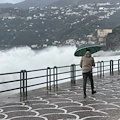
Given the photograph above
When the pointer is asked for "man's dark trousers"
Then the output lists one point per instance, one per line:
(85, 76)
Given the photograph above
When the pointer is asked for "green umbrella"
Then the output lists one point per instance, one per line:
(82, 49)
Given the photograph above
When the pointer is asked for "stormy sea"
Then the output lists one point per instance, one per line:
(24, 58)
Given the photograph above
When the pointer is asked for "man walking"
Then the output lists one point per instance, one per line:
(86, 63)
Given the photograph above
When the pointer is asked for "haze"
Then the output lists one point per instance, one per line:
(11, 1)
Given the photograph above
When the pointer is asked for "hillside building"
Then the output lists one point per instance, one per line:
(101, 34)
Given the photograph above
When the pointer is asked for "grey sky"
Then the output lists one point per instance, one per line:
(11, 1)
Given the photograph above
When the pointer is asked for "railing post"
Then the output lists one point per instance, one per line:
(98, 69)
(102, 68)
(119, 66)
(47, 76)
(55, 77)
(49, 79)
(23, 85)
(73, 73)
(111, 67)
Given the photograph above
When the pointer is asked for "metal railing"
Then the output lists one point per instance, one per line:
(24, 80)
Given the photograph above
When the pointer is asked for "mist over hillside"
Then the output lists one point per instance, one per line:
(28, 3)
(38, 3)
(76, 2)
(34, 3)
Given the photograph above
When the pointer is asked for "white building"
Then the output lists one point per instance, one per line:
(29, 18)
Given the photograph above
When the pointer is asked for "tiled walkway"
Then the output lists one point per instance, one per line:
(68, 103)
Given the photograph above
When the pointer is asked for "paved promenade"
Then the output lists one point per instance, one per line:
(68, 103)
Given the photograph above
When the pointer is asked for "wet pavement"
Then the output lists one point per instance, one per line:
(68, 103)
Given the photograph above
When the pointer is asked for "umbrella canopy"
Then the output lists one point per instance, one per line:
(82, 49)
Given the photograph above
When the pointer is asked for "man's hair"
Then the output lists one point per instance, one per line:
(87, 50)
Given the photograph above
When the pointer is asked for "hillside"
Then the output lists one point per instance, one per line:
(46, 26)
(113, 39)
(28, 3)
(64, 3)
(34, 3)
(60, 3)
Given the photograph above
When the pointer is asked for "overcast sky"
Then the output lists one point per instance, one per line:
(11, 1)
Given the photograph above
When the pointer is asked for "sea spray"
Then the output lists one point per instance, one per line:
(24, 58)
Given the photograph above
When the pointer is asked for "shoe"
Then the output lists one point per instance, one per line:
(84, 95)
(93, 92)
